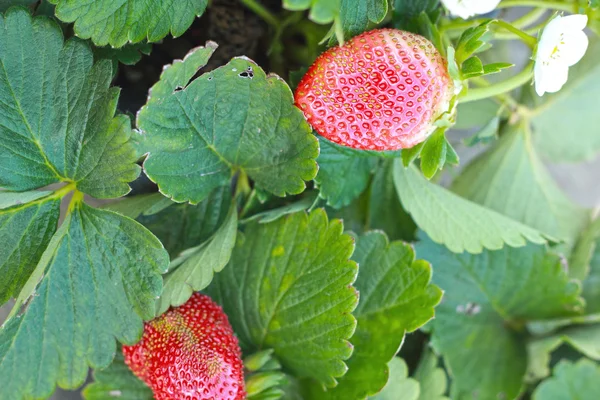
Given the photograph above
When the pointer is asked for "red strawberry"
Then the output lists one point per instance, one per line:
(382, 90)
(189, 353)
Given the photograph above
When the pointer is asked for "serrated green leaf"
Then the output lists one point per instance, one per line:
(433, 380)
(580, 380)
(433, 155)
(343, 173)
(584, 338)
(485, 295)
(472, 67)
(182, 226)
(471, 40)
(494, 68)
(399, 385)
(58, 110)
(199, 133)
(117, 22)
(288, 287)
(27, 222)
(396, 298)
(276, 213)
(573, 109)
(454, 221)
(194, 269)
(142, 204)
(358, 15)
(96, 282)
(385, 211)
(511, 179)
(129, 54)
(407, 12)
(117, 382)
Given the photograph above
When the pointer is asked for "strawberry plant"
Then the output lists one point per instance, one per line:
(308, 200)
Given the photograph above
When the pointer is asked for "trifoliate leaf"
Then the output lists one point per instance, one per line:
(288, 287)
(583, 338)
(58, 113)
(199, 133)
(511, 179)
(117, 382)
(27, 222)
(580, 380)
(182, 226)
(487, 297)
(454, 221)
(194, 269)
(343, 173)
(573, 109)
(96, 282)
(399, 385)
(395, 298)
(117, 22)
(433, 380)
(385, 211)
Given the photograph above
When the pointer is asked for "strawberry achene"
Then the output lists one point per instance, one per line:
(189, 353)
(382, 90)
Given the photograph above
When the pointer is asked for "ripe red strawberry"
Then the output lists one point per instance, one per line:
(189, 353)
(382, 90)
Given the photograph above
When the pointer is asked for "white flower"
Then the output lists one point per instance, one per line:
(563, 44)
(467, 8)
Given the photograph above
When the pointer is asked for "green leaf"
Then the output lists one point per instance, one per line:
(288, 287)
(583, 338)
(472, 67)
(591, 284)
(27, 222)
(471, 40)
(343, 173)
(410, 155)
(407, 12)
(433, 155)
(194, 269)
(494, 68)
(357, 16)
(433, 380)
(579, 380)
(399, 385)
(58, 113)
(321, 11)
(486, 135)
(384, 210)
(182, 226)
(117, 381)
(142, 204)
(511, 179)
(96, 282)
(487, 297)
(276, 213)
(573, 109)
(476, 114)
(117, 22)
(454, 221)
(5, 4)
(584, 262)
(395, 298)
(199, 133)
(129, 54)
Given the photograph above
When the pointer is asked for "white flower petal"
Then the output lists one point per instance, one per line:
(575, 22)
(574, 46)
(467, 8)
(538, 78)
(553, 78)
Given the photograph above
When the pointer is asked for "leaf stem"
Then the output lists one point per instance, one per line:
(75, 200)
(526, 38)
(262, 12)
(500, 88)
(529, 18)
(553, 5)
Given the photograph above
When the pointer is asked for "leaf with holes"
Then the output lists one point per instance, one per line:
(98, 280)
(487, 298)
(58, 114)
(198, 134)
(117, 22)
(395, 298)
(288, 287)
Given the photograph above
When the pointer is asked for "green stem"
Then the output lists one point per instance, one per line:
(500, 88)
(529, 18)
(262, 12)
(528, 39)
(553, 5)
